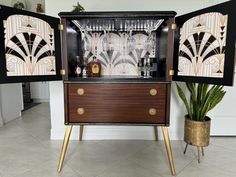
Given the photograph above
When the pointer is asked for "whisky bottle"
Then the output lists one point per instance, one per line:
(78, 67)
(94, 68)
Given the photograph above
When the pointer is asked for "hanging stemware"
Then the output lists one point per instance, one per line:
(149, 42)
(105, 43)
(86, 45)
(131, 42)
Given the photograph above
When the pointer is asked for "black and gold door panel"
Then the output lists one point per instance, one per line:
(204, 45)
(29, 45)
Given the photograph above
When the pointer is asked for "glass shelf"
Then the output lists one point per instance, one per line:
(117, 25)
(116, 79)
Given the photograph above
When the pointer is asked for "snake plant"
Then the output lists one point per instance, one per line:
(201, 100)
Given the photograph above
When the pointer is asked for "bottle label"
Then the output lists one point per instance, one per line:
(78, 70)
(84, 73)
(95, 69)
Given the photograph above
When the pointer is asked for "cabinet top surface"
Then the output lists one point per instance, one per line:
(118, 14)
(115, 80)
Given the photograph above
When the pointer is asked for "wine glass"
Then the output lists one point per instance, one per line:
(105, 43)
(149, 42)
(131, 42)
(86, 45)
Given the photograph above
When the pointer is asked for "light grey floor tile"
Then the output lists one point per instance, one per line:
(49, 169)
(125, 147)
(128, 169)
(11, 130)
(221, 158)
(155, 158)
(54, 146)
(204, 170)
(92, 158)
(216, 157)
(21, 154)
(226, 142)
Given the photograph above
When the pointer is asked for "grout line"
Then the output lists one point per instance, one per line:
(177, 174)
(127, 158)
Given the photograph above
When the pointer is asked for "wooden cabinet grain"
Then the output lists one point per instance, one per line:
(137, 103)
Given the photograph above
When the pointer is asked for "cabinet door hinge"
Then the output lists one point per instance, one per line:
(63, 72)
(173, 26)
(60, 26)
(171, 72)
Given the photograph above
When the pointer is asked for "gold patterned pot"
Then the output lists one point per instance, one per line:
(197, 133)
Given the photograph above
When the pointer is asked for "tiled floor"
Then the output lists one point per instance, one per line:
(27, 151)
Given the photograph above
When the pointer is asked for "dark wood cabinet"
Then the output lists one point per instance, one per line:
(135, 50)
(126, 103)
(140, 54)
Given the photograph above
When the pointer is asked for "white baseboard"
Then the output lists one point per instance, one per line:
(112, 132)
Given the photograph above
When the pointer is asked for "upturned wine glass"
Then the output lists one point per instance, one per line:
(105, 43)
(131, 42)
(149, 42)
(86, 45)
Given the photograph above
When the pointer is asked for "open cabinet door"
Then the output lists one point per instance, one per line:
(204, 45)
(29, 46)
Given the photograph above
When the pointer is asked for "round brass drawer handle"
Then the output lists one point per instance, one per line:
(152, 111)
(80, 91)
(80, 111)
(153, 92)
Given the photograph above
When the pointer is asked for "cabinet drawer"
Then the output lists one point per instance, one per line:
(116, 103)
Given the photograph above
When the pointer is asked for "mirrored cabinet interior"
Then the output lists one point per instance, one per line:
(127, 44)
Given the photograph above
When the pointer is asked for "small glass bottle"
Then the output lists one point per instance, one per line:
(94, 68)
(85, 72)
(139, 67)
(78, 68)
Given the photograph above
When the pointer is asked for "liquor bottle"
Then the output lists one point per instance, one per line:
(85, 72)
(94, 68)
(78, 67)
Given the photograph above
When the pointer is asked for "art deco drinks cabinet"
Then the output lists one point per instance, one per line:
(117, 67)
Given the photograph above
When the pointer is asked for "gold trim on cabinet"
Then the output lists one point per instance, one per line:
(153, 92)
(173, 26)
(60, 27)
(80, 111)
(80, 91)
(171, 72)
(63, 72)
(152, 111)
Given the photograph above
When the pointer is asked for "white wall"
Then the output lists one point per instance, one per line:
(30, 4)
(39, 92)
(11, 97)
(10, 101)
(53, 7)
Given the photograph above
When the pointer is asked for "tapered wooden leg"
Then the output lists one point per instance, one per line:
(168, 149)
(186, 148)
(81, 130)
(64, 147)
(156, 132)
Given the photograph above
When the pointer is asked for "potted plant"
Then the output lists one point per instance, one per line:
(78, 8)
(19, 5)
(198, 101)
